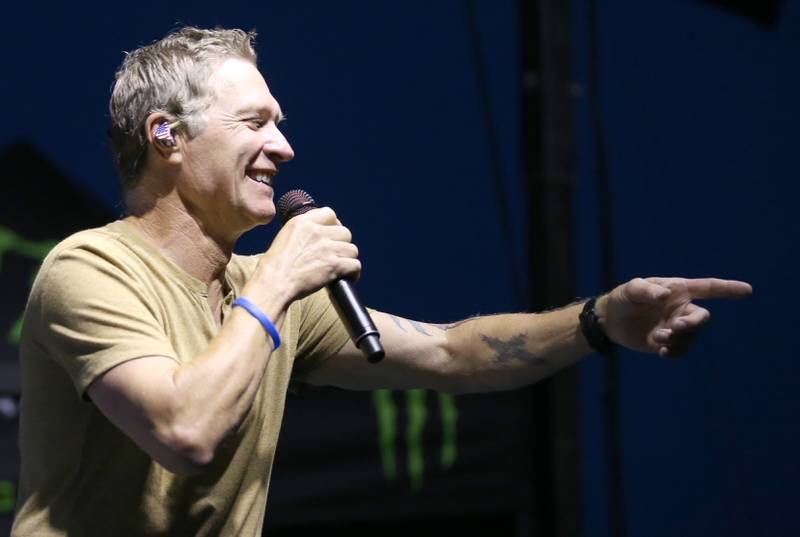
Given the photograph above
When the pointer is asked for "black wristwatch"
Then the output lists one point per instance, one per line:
(593, 332)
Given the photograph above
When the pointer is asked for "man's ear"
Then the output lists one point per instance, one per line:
(163, 136)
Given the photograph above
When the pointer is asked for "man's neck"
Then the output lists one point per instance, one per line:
(182, 238)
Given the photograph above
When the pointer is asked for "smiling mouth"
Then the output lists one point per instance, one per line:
(261, 177)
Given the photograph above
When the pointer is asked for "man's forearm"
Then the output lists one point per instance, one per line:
(502, 352)
(214, 392)
(179, 413)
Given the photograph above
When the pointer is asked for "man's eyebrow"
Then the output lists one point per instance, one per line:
(260, 111)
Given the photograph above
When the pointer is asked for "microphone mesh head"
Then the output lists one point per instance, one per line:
(293, 203)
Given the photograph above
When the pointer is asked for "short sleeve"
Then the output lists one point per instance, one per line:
(321, 334)
(94, 314)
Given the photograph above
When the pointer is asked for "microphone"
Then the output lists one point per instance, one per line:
(343, 295)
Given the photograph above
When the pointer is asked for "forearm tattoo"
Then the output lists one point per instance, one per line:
(418, 327)
(505, 351)
(423, 328)
(512, 349)
(397, 320)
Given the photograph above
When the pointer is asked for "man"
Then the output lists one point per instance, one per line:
(155, 363)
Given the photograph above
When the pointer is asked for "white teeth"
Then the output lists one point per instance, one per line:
(262, 178)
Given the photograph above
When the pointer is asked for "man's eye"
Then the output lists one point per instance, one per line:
(256, 122)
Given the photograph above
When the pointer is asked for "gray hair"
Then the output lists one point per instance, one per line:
(170, 76)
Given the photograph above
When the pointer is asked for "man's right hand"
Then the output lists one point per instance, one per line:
(311, 251)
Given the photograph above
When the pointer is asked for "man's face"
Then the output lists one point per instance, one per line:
(228, 168)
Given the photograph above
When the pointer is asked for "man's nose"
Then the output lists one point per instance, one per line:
(277, 147)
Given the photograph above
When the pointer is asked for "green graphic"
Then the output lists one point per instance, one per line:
(387, 430)
(13, 243)
(416, 417)
(8, 494)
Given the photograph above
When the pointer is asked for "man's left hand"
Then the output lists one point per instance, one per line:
(658, 314)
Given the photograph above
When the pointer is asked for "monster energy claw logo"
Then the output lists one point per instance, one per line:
(11, 242)
(416, 415)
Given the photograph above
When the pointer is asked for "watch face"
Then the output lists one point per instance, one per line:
(592, 331)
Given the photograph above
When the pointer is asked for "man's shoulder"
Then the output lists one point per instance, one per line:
(88, 258)
(104, 241)
(102, 235)
(76, 267)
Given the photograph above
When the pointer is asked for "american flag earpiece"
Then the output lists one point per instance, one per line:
(162, 133)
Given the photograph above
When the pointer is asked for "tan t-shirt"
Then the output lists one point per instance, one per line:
(103, 297)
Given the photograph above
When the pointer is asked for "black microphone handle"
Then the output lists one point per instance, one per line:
(357, 320)
(343, 296)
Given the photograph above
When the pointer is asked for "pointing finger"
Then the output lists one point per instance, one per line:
(716, 288)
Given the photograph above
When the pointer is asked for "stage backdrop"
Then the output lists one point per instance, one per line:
(383, 112)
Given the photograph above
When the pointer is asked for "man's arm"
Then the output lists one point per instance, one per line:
(179, 413)
(478, 354)
(508, 351)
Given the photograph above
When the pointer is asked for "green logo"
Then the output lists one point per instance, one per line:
(10, 242)
(416, 415)
(8, 495)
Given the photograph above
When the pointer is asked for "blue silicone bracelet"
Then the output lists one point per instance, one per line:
(253, 310)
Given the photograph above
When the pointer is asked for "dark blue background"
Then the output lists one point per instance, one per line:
(383, 106)
(702, 113)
